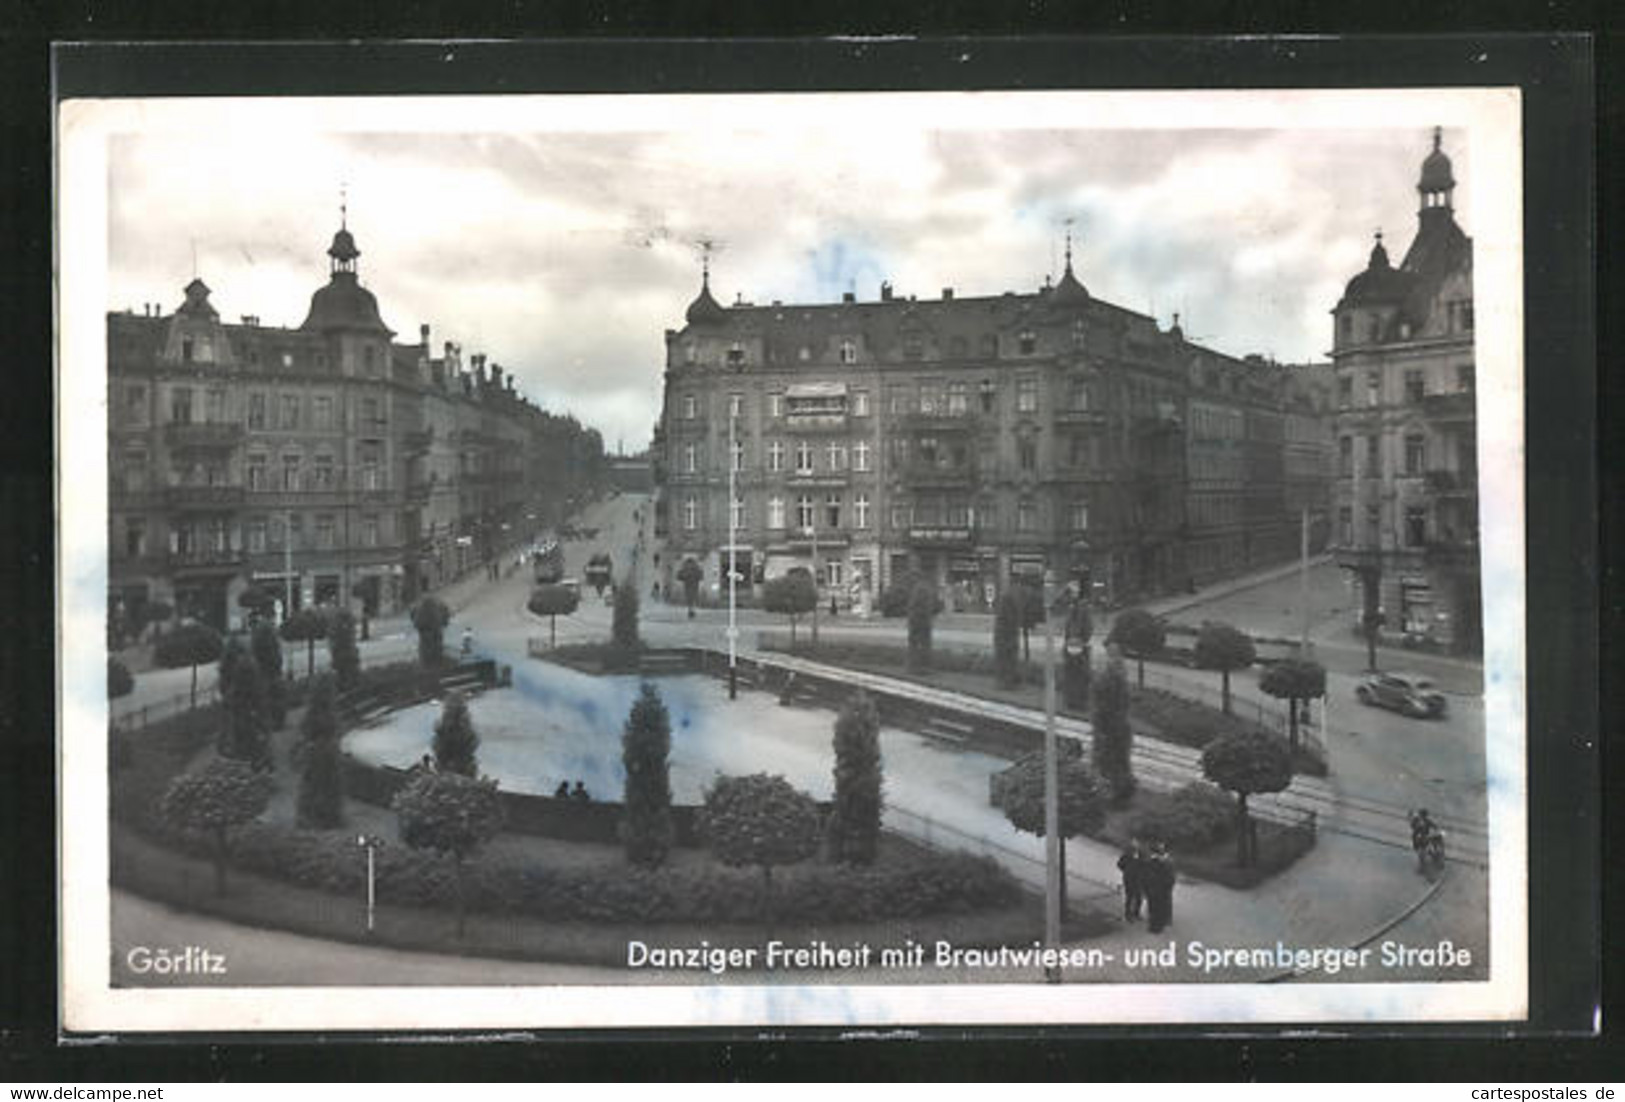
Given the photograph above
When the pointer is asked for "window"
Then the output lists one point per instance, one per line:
(691, 407)
(804, 511)
(958, 399)
(290, 471)
(860, 456)
(255, 472)
(737, 456)
(860, 403)
(1345, 456)
(1414, 387)
(1372, 518)
(1078, 395)
(775, 512)
(804, 460)
(690, 458)
(135, 537)
(1373, 455)
(186, 349)
(1027, 395)
(180, 405)
(1027, 342)
(987, 391)
(735, 404)
(1080, 516)
(372, 475)
(691, 512)
(1373, 388)
(897, 451)
(256, 411)
(913, 348)
(928, 451)
(690, 353)
(1345, 525)
(370, 419)
(369, 531)
(324, 532)
(775, 405)
(1026, 516)
(736, 513)
(323, 468)
(255, 535)
(287, 359)
(290, 411)
(1027, 452)
(321, 413)
(835, 456)
(928, 398)
(832, 510)
(1345, 391)
(896, 400)
(1416, 526)
(369, 359)
(958, 514)
(736, 355)
(1346, 327)
(860, 510)
(1415, 454)
(135, 405)
(1464, 378)
(901, 514)
(775, 455)
(849, 352)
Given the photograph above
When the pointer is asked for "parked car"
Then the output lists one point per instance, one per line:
(1408, 693)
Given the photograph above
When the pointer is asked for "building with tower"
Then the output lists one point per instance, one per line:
(969, 441)
(1406, 492)
(327, 463)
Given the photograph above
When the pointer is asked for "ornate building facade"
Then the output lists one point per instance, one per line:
(968, 440)
(1406, 428)
(327, 463)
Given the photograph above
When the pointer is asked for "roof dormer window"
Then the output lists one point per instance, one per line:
(849, 352)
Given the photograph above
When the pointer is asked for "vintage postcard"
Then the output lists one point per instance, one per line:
(843, 560)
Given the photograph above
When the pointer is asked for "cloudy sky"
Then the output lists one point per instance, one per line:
(565, 253)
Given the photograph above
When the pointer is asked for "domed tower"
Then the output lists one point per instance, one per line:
(1069, 292)
(705, 310)
(346, 313)
(1438, 183)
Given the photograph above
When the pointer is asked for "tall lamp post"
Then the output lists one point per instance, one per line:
(733, 555)
(812, 532)
(1052, 797)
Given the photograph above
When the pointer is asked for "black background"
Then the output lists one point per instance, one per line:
(1571, 239)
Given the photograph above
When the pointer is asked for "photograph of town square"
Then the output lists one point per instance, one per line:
(832, 557)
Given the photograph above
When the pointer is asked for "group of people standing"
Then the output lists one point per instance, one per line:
(564, 791)
(1148, 883)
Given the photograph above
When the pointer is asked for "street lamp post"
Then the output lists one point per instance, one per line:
(371, 843)
(733, 557)
(1052, 800)
(812, 531)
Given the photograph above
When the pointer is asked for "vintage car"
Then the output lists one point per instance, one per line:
(1408, 693)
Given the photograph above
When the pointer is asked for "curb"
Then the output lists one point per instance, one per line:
(1373, 935)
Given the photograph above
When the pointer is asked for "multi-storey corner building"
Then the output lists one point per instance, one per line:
(1407, 485)
(326, 463)
(968, 440)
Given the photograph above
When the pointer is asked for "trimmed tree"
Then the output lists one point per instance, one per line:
(267, 651)
(214, 800)
(854, 825)
(553, 601)
(452, 815)
(1224, 648)
(1030, 613)
(1247, 763)
(1007, 639)
(1294, 680)
(430, 617)
(1112, 748)
(258, 601)
(244, 734)
(342, 652)
(1077, 674)
(306, 626)
(119, 681)
(192, 645)
(321, 769)
(792, 595)
(623, 626)
(1082, 800)
(760, 820)
(456, 743)
(156, 613)
(923, 606)
(1140, 635)
(645, 752)
(690, 574)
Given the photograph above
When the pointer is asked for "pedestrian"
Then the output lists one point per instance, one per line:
(1132, 865)
(1158, 881)
(579, 793)
(468, 642)
(562, 792)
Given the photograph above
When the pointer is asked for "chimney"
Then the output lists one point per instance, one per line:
(947, 294)
(849, 296)
(496, 376)
(423, 336)
(885, 291)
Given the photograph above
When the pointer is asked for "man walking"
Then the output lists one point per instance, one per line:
(1132, 865)
(1158, 881)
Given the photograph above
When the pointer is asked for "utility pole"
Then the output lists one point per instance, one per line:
(1052, 796)
(1303, 580)
(733, 568)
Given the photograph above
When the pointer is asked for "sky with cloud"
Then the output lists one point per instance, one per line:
(564, 254)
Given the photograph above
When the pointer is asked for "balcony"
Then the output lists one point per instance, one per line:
(1459, 406)
(940, 421)
(181, 435)
(204, 497)
(1442, 483)
(938, 474)
(815, 422)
